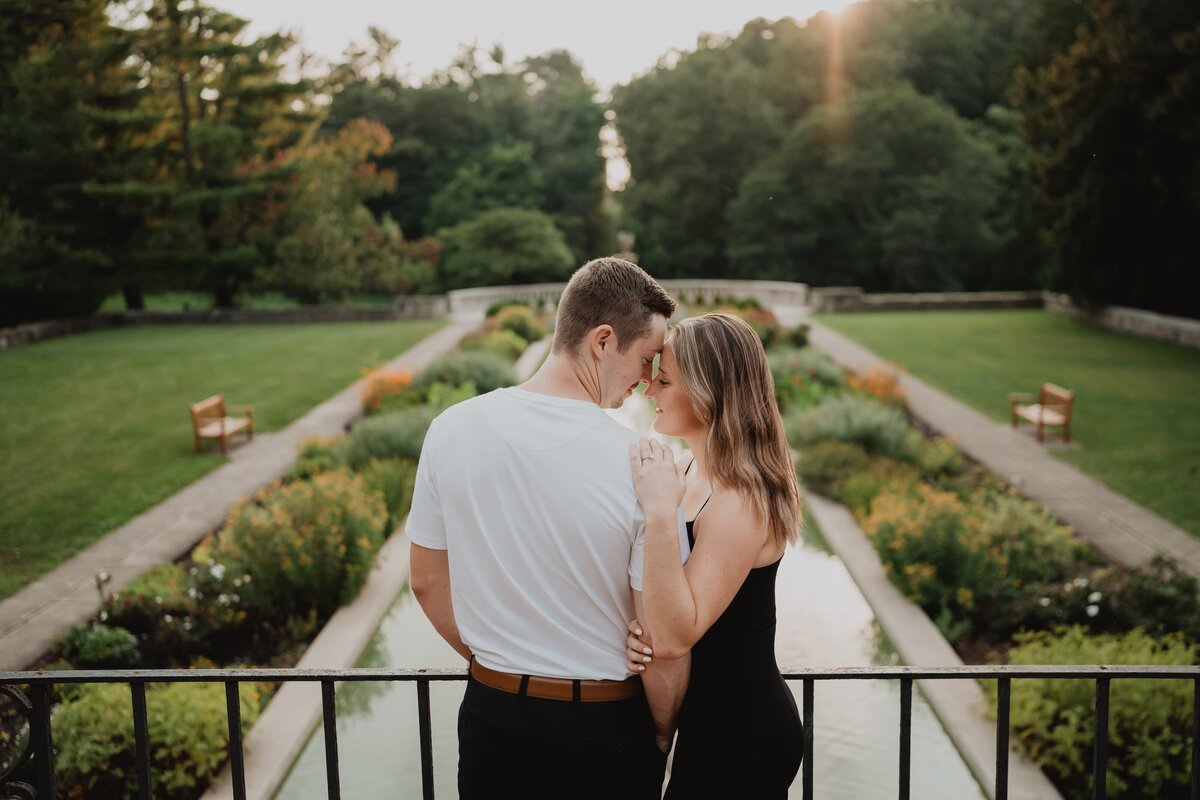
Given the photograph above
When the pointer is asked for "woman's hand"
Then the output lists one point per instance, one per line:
(657, 478)
(637, 653)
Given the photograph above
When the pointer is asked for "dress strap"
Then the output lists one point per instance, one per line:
(702, 505)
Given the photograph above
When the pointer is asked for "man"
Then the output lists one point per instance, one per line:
(527, 545)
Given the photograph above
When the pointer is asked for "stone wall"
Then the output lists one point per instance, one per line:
(834, 299)
(1134, 321)
(768, 293)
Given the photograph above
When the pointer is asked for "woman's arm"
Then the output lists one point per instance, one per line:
(677, 614)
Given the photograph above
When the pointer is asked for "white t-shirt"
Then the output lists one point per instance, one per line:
(532, 496)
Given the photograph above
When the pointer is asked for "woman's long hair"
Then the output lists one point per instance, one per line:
(723, 369)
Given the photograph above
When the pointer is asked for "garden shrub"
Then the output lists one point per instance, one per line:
(441, 395)
(1157, 597)
(100, 646)
(1033, 546)
(158, 608)
(935, 457)
(930, 545)
(857, 490)
(811, 363)
(308, 546)
(487, 371)
(500, 304)
(881, 382)
(315, 455)
(880, 429)
(521, 320)
(189, 738)
(379, 384)
(823, 464)
(396, 434)
(1149, 720)
(504, 343)
(798, 336)
(393, 479)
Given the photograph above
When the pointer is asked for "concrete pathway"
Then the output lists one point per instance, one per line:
(34, 618)
(1123, 531)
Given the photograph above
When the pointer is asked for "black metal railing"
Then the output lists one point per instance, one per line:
(37, 712)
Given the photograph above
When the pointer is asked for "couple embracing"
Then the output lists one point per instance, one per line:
(605, 596)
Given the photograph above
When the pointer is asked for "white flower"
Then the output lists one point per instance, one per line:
(1093, 610)
(1080, 583)
(167, 618)
(103, 577)
(237, 582)
(1094, 597)
(245, 579)
(103, 616)
(217, 571)
(187, 624)
(192, 593)
(1043, 602)
(158, 599)
(223, 599)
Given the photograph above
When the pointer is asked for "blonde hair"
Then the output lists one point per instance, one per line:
(723, 369)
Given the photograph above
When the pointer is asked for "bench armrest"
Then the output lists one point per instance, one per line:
(1021, 397)
(249, 409)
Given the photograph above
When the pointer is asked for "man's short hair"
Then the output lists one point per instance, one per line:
(609, 291)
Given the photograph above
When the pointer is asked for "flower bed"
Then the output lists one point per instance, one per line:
(1002, 579)
(256, 592)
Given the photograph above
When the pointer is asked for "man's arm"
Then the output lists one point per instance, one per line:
(665, 681)
(429, 575)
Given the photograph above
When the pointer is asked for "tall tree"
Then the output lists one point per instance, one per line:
(1116, 139)
(889, 191)
(66, 100)
(691, 131)
(223, 100)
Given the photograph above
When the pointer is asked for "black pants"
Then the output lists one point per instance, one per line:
(528, 748)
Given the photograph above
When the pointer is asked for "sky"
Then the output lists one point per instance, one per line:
(614, 40)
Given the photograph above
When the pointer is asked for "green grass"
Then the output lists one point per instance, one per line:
(95, 427)
(1137, 401)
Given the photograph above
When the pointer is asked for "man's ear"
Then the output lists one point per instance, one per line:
(602, 337)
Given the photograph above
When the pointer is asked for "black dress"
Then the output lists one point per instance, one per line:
(740, 734)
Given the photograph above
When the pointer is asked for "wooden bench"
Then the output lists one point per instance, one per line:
(1053, 407)
(210, 420)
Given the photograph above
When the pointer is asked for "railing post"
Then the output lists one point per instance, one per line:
(1003, 704)
(905, 737)
(233, 710)
(331, 752)
(1100, 757)
(43, 751)
(809, 694)
(137, 690)
(1196, 739)
(424, 720)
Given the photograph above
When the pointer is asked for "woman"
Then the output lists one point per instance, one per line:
(740, 734)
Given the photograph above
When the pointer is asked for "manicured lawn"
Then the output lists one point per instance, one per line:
(1137, 404)
(95, 427)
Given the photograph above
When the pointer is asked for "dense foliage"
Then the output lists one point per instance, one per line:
(935, 145)
(932, 146)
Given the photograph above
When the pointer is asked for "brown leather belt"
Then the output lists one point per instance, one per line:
(558, 688)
